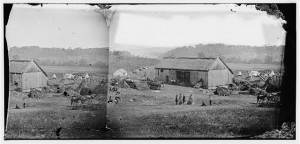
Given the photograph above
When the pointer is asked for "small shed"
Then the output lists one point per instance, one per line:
(210, 72)
(27, 74)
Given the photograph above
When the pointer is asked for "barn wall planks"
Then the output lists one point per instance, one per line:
(34, 80)
(219, 77)
(172, 74)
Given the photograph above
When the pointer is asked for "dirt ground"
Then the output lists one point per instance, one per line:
(153, 114)
(42, 118)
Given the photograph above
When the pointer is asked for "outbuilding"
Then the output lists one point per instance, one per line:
(210, 72)
(27, 74)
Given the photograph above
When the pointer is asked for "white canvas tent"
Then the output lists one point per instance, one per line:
(87, 76)
(240, 73)
(272, 73)
(54, 76)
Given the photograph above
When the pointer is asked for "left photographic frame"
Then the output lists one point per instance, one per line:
(56, 57)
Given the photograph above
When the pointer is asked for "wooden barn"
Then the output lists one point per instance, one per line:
(209, 72)
(27, 74)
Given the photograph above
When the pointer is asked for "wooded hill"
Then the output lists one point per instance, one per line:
(230, 53)
(61, 56)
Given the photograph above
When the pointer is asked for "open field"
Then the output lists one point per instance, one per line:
(256, 67)
(43, 117)
(70, 69)
(153, 114)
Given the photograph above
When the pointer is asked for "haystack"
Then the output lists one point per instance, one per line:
(85, 91)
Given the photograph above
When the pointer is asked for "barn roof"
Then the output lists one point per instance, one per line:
(19, 66)
(202, 64)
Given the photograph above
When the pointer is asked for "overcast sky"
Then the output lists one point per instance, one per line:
(142, 29)
(57, 25)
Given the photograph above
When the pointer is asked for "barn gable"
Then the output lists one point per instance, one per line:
(27, 74)
(219, 65)
(25, 66)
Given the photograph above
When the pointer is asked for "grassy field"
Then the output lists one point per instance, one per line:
(69, 69)
(153, 114)
(43, 117)
(256, 67)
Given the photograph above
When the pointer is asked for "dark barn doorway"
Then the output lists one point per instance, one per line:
(167, 79)
(183, 78)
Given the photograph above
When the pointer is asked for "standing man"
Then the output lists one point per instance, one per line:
(176, 99)
(210, 99)
(24, 103)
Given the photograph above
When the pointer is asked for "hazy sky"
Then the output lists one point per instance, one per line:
(141, 28)
(57, 25)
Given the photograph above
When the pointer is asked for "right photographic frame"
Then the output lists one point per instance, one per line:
(202, 71)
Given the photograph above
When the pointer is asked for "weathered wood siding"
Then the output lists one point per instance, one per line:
(219, 77)
(33, 80)
(162, 76)
(172, 75)
(162, 73)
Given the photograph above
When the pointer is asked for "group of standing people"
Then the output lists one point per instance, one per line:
(181, 99)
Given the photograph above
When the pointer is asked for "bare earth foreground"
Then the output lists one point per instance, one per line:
(153, 114)
(43, 118)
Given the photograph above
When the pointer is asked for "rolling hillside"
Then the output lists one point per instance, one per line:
(62, 57)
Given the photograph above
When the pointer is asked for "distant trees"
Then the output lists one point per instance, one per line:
(222, 57)
(16, 57)
(201, 55)
(225, 52)
(83, 62)
(100, 64)
(61, 57)
(268, 59)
